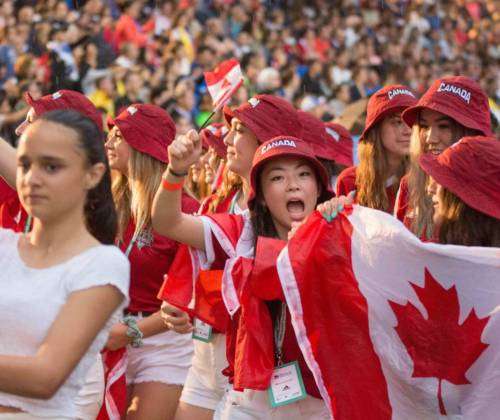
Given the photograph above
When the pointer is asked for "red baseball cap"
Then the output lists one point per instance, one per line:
(213, 136)
(390, 99)
(65, 99)
(340, 143)
(286, 146)
(147, 128)
(457, 97)
(269, 116)
(470, 169)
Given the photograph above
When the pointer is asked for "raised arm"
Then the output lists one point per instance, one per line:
(167, 216)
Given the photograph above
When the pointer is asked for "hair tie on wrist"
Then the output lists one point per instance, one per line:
(171, 186)
(177, 174)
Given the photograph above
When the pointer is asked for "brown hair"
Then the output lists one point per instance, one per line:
(463, 225)
(134, 194)
(372, 171)
(231, 182)
(419, 201)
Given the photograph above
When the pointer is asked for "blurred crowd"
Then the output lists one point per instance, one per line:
(322, 55)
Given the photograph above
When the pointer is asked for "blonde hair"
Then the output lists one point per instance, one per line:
(419, 202)
(231, 182)
(133, 195)
(373, 171)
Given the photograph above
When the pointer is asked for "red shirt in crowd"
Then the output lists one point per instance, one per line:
(346, 182)
(150, 259)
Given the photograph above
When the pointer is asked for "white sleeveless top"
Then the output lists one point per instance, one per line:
(31, 299)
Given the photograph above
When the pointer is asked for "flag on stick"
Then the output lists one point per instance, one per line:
(223, 82)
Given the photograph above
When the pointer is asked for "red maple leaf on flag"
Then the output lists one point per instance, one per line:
(438, 345)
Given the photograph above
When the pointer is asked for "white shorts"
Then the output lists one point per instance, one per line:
(205, 384)
(250, 405)
(164, 357)
(90, 397)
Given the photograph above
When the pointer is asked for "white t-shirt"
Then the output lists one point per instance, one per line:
(30, 301)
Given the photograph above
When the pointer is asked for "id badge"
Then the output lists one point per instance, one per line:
(202, 331)
(287, 385)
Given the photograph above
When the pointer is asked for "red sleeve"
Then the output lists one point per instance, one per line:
(402, 198)
(346, 181)
(6, 191)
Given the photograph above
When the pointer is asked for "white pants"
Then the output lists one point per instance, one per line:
(205, 384)
(164, 357)
(254, 405)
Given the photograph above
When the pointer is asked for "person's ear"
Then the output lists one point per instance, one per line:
(94, 175)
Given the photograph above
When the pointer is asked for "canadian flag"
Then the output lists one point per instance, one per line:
(391, 327)
(115, 389)
(223, 82)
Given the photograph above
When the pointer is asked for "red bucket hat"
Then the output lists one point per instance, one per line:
(213, 136)
(459, 98)
(285, 146)
(470, 169)
(385, 101)
(65, 99)
(147, 128)
(269, 116)
(340, 143)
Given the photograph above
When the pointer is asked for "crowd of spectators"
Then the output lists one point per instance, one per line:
(320, 54)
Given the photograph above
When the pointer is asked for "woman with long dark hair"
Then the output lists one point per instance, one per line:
(286, 183)
(64, 275)
(251, 124)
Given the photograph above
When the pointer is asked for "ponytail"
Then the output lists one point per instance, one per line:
(99, 210)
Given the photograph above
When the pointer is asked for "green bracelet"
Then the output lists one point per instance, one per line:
(133, 331)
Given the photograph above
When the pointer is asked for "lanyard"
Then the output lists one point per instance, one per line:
(279, 334)
(27, 226)
(234, 201)
(131, 244)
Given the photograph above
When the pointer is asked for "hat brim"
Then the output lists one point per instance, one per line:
(411, 114)
(380, 117)
(444, 176)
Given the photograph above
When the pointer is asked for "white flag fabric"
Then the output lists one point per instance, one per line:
(223, 82)
(391, 327)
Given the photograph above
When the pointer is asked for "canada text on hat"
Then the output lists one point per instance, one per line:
(277, 143)
(456, 90)
(398, 91)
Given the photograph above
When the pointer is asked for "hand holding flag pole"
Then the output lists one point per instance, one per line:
(222, 83)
